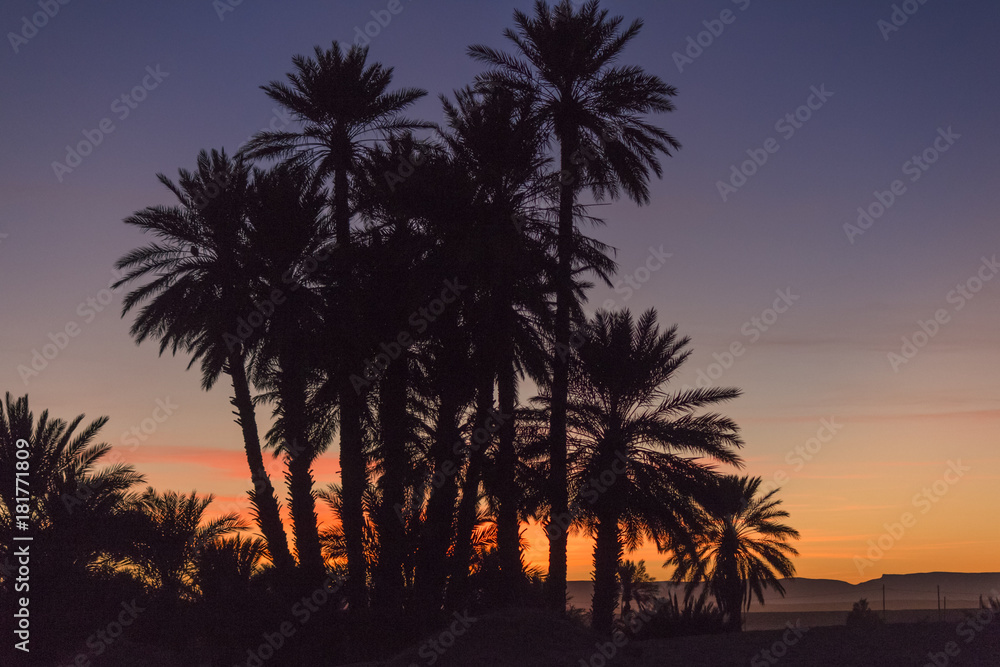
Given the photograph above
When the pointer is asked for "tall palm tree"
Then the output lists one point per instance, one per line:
(198, 299)
(344, 109)
(743, 549)
(287, 237)
(391, 249)
(493, 139)
(332, 537)
(449, 389)
(638, 449)
(414, 228)
(501, 245)
(594, 109)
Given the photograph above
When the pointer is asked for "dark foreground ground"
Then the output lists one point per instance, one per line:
(529, 639)
(896, 644)
(502, 642)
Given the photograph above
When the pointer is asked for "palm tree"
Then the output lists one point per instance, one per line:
(390, 263)
(449, 221)
(229, 566)
(286, 238)
(332, 537)
(637, 586)
(743, 549)
(79, 513)
(449, 370)
(344, 108)
(495, 237)
(198, 300)
(413, 228)
(81, 508)
(594, 109)
(636, 463)
(172, 536)
(494, 143)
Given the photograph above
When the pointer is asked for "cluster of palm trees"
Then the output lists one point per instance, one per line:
(100, 540)
(393, 287)
(87, 520)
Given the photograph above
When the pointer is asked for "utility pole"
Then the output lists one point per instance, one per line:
(883, 603)
(939, 601)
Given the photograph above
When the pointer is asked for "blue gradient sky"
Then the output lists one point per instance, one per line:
(826, 357)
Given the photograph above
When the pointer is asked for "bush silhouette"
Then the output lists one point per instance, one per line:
(863, 616)
(696, 616)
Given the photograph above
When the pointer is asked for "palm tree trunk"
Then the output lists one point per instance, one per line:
(438, 527)
(508, 526)
(558, 492)
(737, 617)
(626, 584)
(388, 579)
(354, 474)
(353, 467)
(341, 206)
(304, 520)
(458, 587)
(300, 455)
(729, 597)
(262, 497)
(607, 557)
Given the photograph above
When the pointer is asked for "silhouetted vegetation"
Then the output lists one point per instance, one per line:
(392, 289)
(695, 616)
(739, 550)
(862, 616)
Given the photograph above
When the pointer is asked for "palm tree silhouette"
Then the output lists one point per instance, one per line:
(502, 241)
(636, 585)
(636, 468)
(594, 109)
(345, 109)
(411, 248)
(742, 550)
(332, 537)
(198, 294)
(494, 143)
(390, 271)
(81, 511)
(449, 390)
(80, 514)
(171, 536)
(286, 232)
(451, 220)
(228, 567)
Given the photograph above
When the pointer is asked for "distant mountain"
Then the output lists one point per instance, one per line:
(902, 591)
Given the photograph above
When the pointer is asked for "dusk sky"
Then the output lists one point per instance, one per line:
(886, 349)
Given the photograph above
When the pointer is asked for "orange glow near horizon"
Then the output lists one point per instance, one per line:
(852, 515)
